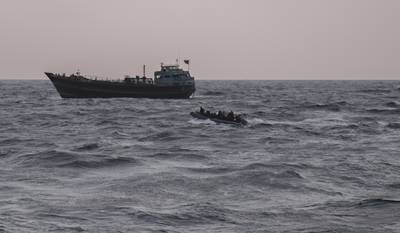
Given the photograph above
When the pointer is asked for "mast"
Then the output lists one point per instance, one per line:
(144, 70)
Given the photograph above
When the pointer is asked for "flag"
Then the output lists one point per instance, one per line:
(186, 61)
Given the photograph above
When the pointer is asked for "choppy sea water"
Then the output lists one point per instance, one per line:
(317, 156)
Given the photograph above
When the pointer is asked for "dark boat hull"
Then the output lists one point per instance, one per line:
(203, 117)
(86, 88)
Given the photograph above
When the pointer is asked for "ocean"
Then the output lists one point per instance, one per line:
(316, 156)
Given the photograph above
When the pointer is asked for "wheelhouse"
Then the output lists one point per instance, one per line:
(173, 75)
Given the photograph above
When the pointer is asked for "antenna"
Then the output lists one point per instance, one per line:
(178, 59)
(144, 70)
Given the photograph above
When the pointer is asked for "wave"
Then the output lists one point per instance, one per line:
(108, 122)
(289, 174)
(286, 180)
(185, 215)
(133, 143)
(392, 104)
(375, 91)
(178, 156)
(264, 176)
(87, 147)
(210, 170)
(365, 203)
(213, 93)
(394, 186)
(61, 216)
(119, 134)
(201, 122)
(252, 172)
(259, 113)
(48, 116)
(342, 127)
(256, 166)
(67, 159)
(387, 110)
(260, 125)
(257, 121)
(14, 141)
(376, 202)
(335, 107)
(162, 136)
(272, 140)
(103, 163)
(394, 125)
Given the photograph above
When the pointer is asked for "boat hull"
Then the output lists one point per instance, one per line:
(216, 120)
(86, 88)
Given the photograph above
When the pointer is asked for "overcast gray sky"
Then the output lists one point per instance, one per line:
(225, 39)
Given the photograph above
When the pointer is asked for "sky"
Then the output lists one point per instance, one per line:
(225, 39)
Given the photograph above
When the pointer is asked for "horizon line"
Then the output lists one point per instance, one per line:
(249, 79)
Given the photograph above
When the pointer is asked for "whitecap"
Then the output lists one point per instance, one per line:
(255, 121)
(200, 122)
